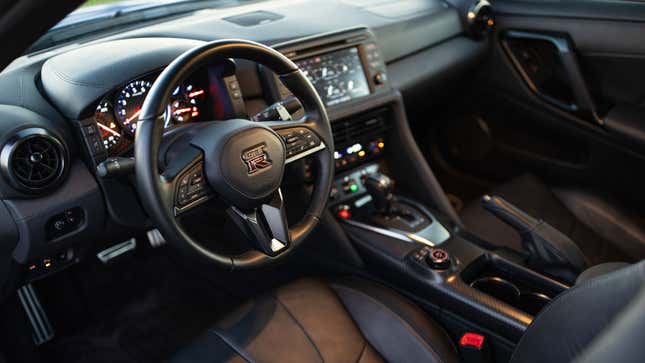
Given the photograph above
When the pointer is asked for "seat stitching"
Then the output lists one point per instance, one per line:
(233, 346)
(403, 322)
(299, 326)
(360, 356)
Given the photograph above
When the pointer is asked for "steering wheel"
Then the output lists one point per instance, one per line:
(238, 161)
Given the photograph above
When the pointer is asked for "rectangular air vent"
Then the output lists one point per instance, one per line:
(254, 18)
(324, 43)
(353, 130)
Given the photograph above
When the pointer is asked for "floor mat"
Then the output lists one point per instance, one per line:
(165, 309)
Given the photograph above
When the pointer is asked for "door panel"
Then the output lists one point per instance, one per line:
(507, 126)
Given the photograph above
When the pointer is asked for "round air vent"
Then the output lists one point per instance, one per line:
(33, 160)
(480, 18)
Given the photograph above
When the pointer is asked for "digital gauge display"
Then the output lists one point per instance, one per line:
(337, 76)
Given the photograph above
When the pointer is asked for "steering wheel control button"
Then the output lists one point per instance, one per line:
(192, 187)
(299, 140)
(438, 259)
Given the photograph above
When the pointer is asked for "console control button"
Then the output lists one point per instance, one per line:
(93, 139)
(380, 78)
(350, 186)
(344, 213)
(63, 223)
(438, 259)
(421, 255)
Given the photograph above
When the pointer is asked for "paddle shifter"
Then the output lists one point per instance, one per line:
(549, 249)
(379, 186)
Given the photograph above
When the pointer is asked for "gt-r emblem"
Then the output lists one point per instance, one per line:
(256, 158)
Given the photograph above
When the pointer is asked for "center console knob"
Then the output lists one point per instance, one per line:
(380, 78)
(438, 259)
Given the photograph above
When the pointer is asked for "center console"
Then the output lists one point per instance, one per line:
(390, 207)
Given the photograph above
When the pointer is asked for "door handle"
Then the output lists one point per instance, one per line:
(515, 44)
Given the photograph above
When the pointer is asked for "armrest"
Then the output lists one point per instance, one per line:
(627, 123)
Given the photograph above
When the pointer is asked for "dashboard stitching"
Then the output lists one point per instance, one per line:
(67, 79)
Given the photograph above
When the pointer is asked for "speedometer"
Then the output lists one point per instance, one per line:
(129, 102)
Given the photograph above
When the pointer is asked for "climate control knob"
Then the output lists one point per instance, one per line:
(380, 78)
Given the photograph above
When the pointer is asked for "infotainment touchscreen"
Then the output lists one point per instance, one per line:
(337, 76)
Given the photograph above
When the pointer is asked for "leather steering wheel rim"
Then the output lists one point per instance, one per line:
(151, 186)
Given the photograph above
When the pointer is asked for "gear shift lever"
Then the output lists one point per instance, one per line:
(379, 186)
(390, 213)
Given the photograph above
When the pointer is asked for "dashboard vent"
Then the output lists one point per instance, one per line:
(481, 18)
(33, 160)
(351, 130)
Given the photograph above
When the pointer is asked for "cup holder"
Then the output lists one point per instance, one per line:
(529, 301)
(533, 302)
(497, 287)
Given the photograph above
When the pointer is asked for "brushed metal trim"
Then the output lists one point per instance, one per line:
(306, 153)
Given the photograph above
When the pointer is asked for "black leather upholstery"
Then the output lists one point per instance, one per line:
(533, 197)
(315, 321)
(599, 270)
(623, 342)
(601, 320)
(568, 327)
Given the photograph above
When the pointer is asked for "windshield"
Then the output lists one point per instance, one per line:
(97, 16)
(103, 9)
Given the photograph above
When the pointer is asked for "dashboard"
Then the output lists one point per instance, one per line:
(86, 96)
(206, 95)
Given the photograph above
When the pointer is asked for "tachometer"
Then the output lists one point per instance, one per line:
(110, 130)
(129, 102)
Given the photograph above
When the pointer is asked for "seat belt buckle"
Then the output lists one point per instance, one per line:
(474, 348)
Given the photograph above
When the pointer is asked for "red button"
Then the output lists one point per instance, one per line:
(472, 340)
(344, 214)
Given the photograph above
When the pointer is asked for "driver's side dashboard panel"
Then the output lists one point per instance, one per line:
(76, 79)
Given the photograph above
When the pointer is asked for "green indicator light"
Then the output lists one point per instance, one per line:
(353, 188)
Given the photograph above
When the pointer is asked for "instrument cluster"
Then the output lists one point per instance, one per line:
(201, 97)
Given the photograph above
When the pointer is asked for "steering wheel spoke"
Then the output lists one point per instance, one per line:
(186, 181)
(300, 140)
(265, 225)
